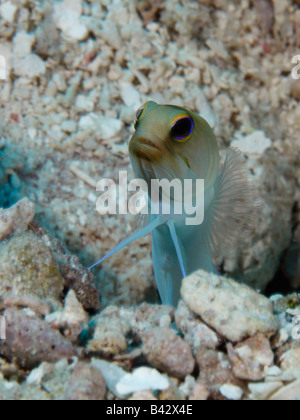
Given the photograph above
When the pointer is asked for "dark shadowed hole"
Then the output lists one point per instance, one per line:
(280, 284)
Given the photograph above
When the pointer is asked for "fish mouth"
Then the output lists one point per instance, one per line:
(145, 148)
(148, 143)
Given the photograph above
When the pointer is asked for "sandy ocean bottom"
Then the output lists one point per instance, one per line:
(76, 73)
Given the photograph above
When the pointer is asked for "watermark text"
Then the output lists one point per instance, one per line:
(166, 197)
(2, 328)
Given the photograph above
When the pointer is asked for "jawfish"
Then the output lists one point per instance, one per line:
(172, 143)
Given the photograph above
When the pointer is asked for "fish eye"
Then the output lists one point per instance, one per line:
(139, 113)
(182, 129)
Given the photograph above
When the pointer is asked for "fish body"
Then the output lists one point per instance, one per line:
(165, 261)
(174, 144)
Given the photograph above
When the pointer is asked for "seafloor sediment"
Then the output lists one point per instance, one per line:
(76, 73)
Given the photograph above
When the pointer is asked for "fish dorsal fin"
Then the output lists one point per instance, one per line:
(235, 207)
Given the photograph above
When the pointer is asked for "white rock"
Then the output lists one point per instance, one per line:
(273, 371)
(67, 18)
(110, 127)
(23, 43)
(73, 310)
(89, 122)
(177, 85)
(290, 362)
(69, 126)
(187, 387)
(72, 314)
(36, 376)
(142, 379)
(29, 66)
(60, 81)
(128, 114)
(6, 56)
(8, 11)
(256, 143)
(234, 310)
(276, 298)
(84, 104)
(204, 108)
(263, 390)
(130, 95)
(231, 392)
(17, 218)
(288, 393)
(110, 33)
(112, 374)
(32, 133)
(105, 127)
(3, 68)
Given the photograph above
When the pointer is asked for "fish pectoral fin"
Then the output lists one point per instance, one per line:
(235, 207)
(178, 248)
(134, 237)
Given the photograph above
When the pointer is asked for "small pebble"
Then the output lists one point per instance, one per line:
(168, 352)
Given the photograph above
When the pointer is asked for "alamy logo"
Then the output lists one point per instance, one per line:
(3, 68)
(2, 328)
(296, 69)
(162, 197)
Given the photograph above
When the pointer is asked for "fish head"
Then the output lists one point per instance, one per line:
(172, 143)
